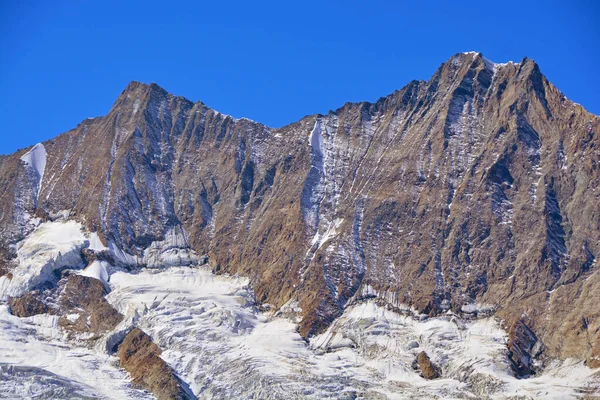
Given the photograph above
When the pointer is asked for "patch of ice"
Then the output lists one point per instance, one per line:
(477, 308)
(72, 317)
(95, 243)
(52, 245)
(98, 270)
(36, 159)
(136, 106)
(316, 140)
(172, 251)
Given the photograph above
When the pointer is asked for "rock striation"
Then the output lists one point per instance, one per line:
(475, 190)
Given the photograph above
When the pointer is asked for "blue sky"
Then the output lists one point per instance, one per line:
(271, 61)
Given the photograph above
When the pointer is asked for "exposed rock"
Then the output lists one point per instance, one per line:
(593, 361)
(84, 308)
(28, 305)
(140, 356)
(91, 256)
(523, 346)
(7, 256)
(478, 186)
(428, 369)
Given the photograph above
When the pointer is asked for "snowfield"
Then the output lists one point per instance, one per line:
(220, 343)
(51, 246)
(37, 362)
(223, 347)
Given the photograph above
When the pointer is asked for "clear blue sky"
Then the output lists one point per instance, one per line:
(271, 61)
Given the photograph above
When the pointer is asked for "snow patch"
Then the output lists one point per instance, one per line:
(98, 270)
(37, 362)
(316, 140)
(35, 162)
(72, 317)
(52, 245)
(95, 243)
(36, 159)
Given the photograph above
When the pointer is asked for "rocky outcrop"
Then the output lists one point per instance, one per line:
(28, 305)
(7, 256)
(428, 369)
(140, 356)
(85, 310)
(523, 347)
(91, 255)
(478, 186)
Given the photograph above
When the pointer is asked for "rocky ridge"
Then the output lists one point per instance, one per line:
(475, 191)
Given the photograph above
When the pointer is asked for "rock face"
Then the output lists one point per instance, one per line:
(478, 186)
(141, 358)
(428, 369)
(523, 346)
(27, 305)
(83, 299)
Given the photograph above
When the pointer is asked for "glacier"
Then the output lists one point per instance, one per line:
(223, 344)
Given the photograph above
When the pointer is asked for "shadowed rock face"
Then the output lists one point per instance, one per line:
(523, 346)
(477, 186)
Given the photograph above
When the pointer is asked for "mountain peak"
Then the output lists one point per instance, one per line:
(477, 56)
(137, 88)
(473, 193)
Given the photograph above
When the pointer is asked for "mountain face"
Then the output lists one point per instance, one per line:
(475, 192)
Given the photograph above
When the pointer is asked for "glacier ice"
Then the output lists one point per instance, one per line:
(217, 340)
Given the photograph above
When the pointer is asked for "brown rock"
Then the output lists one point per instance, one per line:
(91, 255)
(28, 305)
(593, 361)
(428, 369)
(85, 296)
(523, 346)
(140, 357)
(7, 258)
(476, 186)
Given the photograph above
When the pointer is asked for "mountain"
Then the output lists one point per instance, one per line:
(473, 193)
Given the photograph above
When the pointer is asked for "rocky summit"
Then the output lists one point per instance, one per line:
(473, 196)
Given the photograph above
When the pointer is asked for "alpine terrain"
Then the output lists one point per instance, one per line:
(441, 242)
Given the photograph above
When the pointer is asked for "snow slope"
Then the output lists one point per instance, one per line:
(52, 245)
(37, 362)
(219, 342)
(223, 347)
(35, 159)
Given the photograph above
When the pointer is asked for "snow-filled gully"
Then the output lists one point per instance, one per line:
(218, 341)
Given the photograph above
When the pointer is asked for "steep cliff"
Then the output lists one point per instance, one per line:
(474, 191)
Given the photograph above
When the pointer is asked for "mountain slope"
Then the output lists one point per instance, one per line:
(474, 191)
